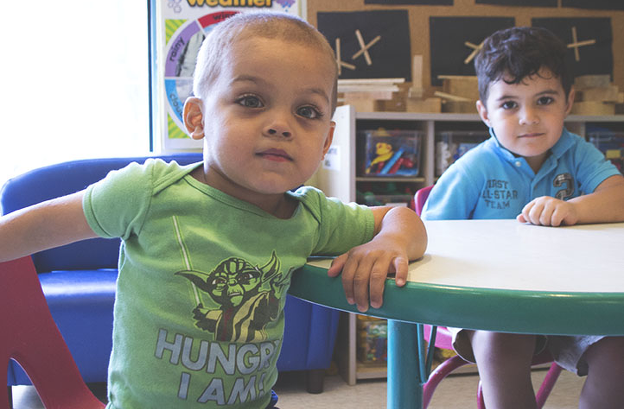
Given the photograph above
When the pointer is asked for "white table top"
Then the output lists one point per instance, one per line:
(507, 255)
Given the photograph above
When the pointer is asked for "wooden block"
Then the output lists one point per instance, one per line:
(459, 107)
(462, 86)
(368, 95)
(451, 97)
(362, 105)
(424, 105)
(396, 104)
(592, 81)
(417, 68)
(392, 105)
(592, 108)
(610, 93)
(415, 92)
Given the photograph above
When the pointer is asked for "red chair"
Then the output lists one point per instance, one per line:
(443, 339)
(30, 337)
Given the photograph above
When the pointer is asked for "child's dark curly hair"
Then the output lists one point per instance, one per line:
(515, 53)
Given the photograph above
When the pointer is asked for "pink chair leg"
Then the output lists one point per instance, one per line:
(548, 384)
(438, 374)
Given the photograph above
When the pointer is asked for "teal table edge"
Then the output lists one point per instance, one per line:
(533, 312)
(408, 307)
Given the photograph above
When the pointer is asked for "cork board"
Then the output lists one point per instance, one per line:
(419, 22)
(594, 4)
(520, 3)
(368, 40)
(590, 59)
(448, 36)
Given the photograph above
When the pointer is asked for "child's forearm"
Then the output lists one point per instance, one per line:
(604, 205)
(404, 226)
(49, 224)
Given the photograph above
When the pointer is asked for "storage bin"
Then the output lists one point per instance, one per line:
(452, 145)
(611, 144)
(372, 342)
(391, 153)
(371, 199)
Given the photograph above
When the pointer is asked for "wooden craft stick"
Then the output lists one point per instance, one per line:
(451, 97)
(364, 47)
(474, 52)
(339, 61)
(417, 70)
(576, 44)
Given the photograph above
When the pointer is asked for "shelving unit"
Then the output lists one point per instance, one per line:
(337, 178)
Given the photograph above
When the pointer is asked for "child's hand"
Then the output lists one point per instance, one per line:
(365, 268)
(548, 211)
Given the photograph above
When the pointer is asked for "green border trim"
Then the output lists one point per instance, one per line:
(534, 312)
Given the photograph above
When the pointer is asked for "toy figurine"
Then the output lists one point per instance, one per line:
(384, 152)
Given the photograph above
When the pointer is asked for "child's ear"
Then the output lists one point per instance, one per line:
(329, 138)
(483, 113)
(570, 100)
(193, 116)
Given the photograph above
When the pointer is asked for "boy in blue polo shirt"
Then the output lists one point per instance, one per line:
(534, 170)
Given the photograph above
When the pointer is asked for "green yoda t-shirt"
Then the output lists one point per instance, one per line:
(202, 283)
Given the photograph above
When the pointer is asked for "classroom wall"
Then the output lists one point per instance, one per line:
(419, 18)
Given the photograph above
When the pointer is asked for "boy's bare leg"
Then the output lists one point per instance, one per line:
(504, 363)
(603, 386)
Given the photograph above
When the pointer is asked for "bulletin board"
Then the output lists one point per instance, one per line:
(435, 31)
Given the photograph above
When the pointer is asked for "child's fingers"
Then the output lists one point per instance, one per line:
(525, 212)
(377, 279)
(401, 267)
(337, 265)
(348, 274)
(534, 213)
(360, 282)
(546, 217)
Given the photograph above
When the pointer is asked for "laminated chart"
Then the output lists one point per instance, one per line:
(181, 53)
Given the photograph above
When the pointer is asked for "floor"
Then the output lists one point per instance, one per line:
(454, 393)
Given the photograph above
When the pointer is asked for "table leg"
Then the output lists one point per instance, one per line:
(404, 357)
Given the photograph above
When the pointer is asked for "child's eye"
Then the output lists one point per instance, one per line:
(309, 112)
(250, 101)
(545, 101)
(509, 105)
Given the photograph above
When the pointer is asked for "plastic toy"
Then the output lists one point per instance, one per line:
(384, 152)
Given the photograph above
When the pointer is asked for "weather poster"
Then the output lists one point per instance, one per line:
(184, 25)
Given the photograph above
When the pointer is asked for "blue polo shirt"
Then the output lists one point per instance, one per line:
(490, 182)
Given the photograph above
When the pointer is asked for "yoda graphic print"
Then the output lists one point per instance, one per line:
(247, 297)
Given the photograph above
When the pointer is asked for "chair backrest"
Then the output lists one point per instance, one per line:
(420, 198)
(62, 179)
(30, 337)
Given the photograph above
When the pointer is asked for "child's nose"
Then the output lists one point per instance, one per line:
(278, 126)
(528, 116)
(278, 131)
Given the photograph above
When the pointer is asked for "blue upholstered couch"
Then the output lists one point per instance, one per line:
(79, 282)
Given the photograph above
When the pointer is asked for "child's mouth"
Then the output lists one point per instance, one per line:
(276, 155)
(531, 135)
